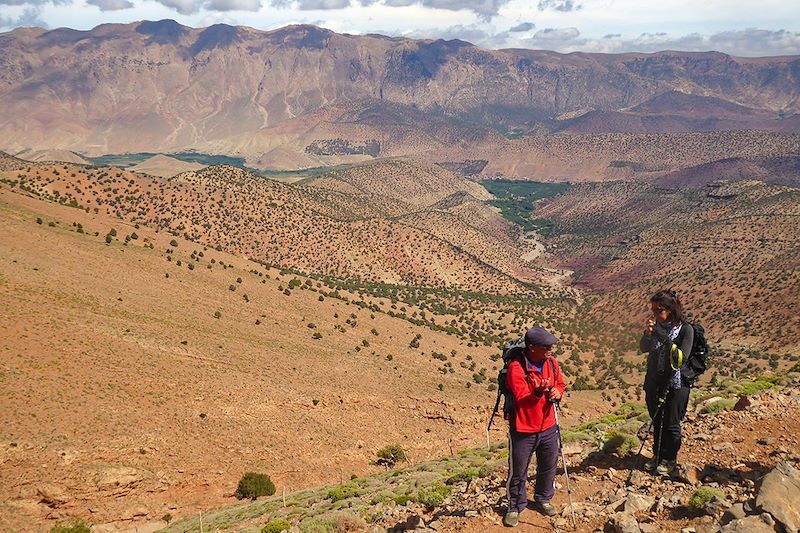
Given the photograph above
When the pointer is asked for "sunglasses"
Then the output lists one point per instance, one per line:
(658, 309)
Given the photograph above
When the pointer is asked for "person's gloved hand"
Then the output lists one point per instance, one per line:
(554, 395)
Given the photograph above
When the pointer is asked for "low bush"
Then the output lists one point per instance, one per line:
(462, 476)
(716, 407)
(252, 485)
(702, 496)
(342, 492)
(390, 455)
(276, 526)
(433, 495)
(620, 444)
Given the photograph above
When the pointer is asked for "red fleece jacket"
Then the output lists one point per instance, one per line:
(533, 412)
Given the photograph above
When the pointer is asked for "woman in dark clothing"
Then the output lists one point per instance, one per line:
(668, 338)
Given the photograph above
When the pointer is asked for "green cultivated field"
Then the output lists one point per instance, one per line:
(515, 200)
(129, 160)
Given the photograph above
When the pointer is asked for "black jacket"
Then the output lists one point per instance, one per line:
(659, 370)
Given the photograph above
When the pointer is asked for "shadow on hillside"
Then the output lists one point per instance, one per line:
(598, 459)
(710, 472)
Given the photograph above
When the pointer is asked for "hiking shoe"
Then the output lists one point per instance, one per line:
(650, 465)
(666, 468)
(546, 508)
(511, 519)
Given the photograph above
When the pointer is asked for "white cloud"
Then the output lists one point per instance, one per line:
(233, 5)
(111, 5)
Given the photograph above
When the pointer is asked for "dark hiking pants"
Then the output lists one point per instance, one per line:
(521, 447)
(667, 422)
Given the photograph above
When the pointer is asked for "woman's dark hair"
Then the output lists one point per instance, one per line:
(669, 300)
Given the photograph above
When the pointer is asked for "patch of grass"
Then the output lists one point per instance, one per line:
(702, 496)
(716, 407)
(77, 526)
(752, 387)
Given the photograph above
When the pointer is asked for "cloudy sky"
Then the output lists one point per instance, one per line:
(739, 27)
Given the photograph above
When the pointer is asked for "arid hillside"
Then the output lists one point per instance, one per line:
(144, 373)
(308, 228)
(730, 248)
(160, 86)
(625, 156)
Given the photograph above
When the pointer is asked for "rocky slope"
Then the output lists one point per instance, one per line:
(738, 473)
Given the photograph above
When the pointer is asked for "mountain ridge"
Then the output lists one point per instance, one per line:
(160, 86)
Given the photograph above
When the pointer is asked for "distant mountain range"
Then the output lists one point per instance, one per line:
(303, 96)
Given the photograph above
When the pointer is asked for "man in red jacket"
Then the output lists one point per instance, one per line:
(532, 427)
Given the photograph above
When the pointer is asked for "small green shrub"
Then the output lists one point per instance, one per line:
(77, 526)
(433, 495)
(342, 492)
(748, 389)
(702, 496)
(620, 444)
(316, 525)
(402, 499)
(716, 407)
(276, 526)
(252, 485)
(462, 476)
(173, 243)
(390, 455)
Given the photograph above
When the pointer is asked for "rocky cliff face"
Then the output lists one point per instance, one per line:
(160, 85)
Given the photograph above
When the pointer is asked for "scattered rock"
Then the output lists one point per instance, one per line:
(623, 523)
(615, 506)
(688, 473)
(734, 512)
(114, 478)
(780, 496)
(52, 495)
(637, 503)
(135, 511)
(702, 436)
(722, 447)
(749, 524)
(766, 441)
(716, 507)
(742, 404)
(415, 522)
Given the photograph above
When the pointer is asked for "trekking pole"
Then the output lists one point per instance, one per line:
(564, 462)
(644, 439)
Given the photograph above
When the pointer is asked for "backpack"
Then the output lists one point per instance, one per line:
(697, 362)
(512, 350)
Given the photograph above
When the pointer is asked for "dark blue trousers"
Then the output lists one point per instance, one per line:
(521, 447)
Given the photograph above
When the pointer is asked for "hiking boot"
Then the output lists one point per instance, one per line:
(511, 519)
(650, 465)
(546, 508)
(666, 467)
